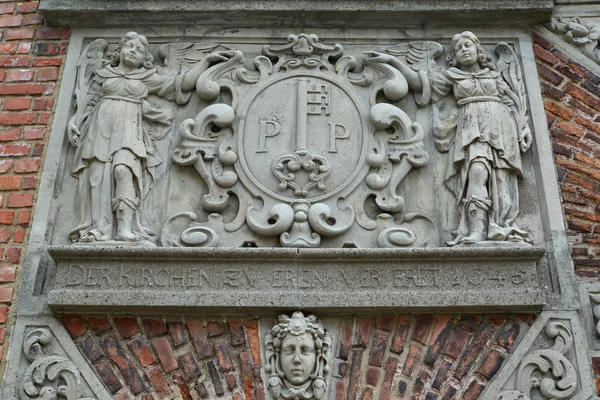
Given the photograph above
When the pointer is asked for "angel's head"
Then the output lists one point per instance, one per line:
(132, 51)
(466, 50)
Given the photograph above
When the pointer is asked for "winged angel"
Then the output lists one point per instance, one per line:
(485, 136)
(114, 129)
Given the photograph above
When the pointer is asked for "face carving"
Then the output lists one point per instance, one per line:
(133, 54)
(298, 358)
(465, 51)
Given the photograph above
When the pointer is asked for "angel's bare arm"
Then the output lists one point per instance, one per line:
(190, 77)
(412, 77)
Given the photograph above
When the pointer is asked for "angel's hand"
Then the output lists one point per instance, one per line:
(525, 140)
(376, 57)
(74, 134)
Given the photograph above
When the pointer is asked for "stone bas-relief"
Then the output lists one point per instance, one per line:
(582, 33)
(301, 146)
(297, 353)
(114, 130)
(484, 135)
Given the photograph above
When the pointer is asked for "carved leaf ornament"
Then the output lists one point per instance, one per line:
(48, 376)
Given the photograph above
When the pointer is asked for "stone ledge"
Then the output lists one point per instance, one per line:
(304, 13)
(157, 280)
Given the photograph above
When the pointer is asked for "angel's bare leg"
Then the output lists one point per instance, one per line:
(476, 190)
(124, 212)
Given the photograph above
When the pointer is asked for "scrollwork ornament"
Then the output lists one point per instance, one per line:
(548, 372)
(584, 34)
(297, 350)
(48, 376)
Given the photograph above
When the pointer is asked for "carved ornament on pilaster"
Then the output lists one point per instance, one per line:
(583, 34)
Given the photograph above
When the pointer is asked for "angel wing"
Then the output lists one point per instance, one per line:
(420, 56)
(89, 62)
(181, 57)
(510, 69)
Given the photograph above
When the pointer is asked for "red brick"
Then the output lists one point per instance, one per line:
(386, 386)
(127, 327)
(19, 75)
(13, 20)
(8, 48)
(47, 74)
(19, 235)
(367, 394)
(2, 75)
(158, 382)
(236, 330)
(6, 217)
(372, 376)
(10, 182)
(215, 378)
(545, 55)
(163, 350)
(23, 48)
(117, 353)
(7, 8)
(153, 327)
(27, 8)
(189, 366)
(214, 329)
(254, 339)
(53, 33)
(29, 182)
(362, 332)
(43, 104)
(7, 273)
(549, 75)
(203, 393)
(30, 133)
(3, 314)
(419, 384)
(184, 392)
(38, 149)
(49, 88)
(441, 330)
(44, 118)
(457, 342)
(14, 61)
(491, 365)
(20, 34)
(90, 349)
(400, 336)
(20, 200)
(569, 128)
(24, 217)
(559, 110)
(33, 19)
(582, 96)
(223, 357)
(414, 352)
(5, 166)
(199, 340)
(17, 104)
(23, 165)
(385, 323)
(13, 255)
(480, 339)
(355, 369)
(449, 393)
(230, 381)
(6, 294)
(540, 40)
(378, 348)
(142, 351)
(473, 391)
(247, 375)
(74, 325)
(568, 72)
(177, 332)
(98, 325)
(108, 376)
(441, 374)
(18, 119)
(422, 328)
(123, 396)
(5, 235)
(345, 341)
(547, 91)
(47, 62)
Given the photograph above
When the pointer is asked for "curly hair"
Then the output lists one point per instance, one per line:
(114, 58)
(484, 60)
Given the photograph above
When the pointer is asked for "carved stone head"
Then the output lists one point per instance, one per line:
(454, 54)
(297, 353)
(124, 45)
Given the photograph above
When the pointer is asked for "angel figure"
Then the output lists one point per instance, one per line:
(114, 130)
(484, 138)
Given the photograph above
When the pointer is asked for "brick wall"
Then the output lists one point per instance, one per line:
(396, 356)
(31, 57)
(572, 101)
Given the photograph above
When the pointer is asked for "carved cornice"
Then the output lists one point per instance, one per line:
(354, 13)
